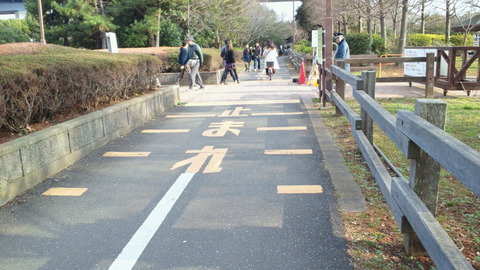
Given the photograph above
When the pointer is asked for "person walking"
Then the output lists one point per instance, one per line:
(195, 61)
(230, 64)
(257, 53)
(223, 53)
(247, 57)
(343, 51)
(182, 59)
(271, 55)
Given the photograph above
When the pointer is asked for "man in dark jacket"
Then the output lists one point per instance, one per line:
(182, 59)
(343, 51)
(194, 60)
(257, 52)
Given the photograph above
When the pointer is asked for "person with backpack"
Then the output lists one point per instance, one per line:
(223, 53)
(182, 59)
(257, 53)
(230, 64)
(195, 61)
(247, 57)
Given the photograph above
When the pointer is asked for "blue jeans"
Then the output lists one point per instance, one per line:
(256, 62)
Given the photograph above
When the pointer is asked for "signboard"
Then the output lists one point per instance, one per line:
(418, 69)
(320, 45)
(112, 42)
(315, 38)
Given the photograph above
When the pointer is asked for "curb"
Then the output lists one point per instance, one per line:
(350, 197)
(29, 160)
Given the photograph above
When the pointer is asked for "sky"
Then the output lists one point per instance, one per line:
(284, 10)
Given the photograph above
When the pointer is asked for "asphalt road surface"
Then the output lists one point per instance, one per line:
(233, 178)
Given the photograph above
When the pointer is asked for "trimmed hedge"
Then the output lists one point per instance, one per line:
(359, 43)
(54, 79)
(422, 40)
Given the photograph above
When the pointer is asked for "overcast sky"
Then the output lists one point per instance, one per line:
(284, 10)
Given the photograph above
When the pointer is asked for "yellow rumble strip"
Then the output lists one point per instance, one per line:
(281, 128)
(305, 189)
(127, 154)
(74, 192)
(289, 152)
(165, 131)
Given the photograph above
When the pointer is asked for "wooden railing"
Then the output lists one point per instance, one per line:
(422, 139)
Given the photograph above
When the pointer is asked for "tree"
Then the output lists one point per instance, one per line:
(403, 28)
(13, 31)
(310, 15)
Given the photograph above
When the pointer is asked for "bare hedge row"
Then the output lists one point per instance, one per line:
(76, 82)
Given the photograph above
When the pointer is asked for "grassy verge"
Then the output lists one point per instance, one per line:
(374, 239)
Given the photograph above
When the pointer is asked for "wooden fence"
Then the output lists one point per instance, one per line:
(422, 139)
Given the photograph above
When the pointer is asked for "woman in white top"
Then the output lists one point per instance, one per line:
(271, 54)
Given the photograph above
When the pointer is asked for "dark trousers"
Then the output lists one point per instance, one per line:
(233, 73)
(256, 62)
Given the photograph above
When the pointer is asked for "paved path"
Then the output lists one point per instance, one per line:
(234, 178)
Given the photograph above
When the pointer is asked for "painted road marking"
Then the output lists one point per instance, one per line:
(289, 152)
(137, 244)
(127, 154)
(303, 189)
(65, 192)
(190, 115)
(197, 161)
(250, 102)
(277, 113)
(165, 131)
(281, 128)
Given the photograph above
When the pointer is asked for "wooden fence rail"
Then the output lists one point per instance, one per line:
(425, 143)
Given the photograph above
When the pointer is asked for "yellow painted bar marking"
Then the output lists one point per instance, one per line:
(65, 192)
(246, 102)
(127, 154)
(281, 128)
(190, 115)
(165, 130)
(304, 189)
(289, 152)
(276, 113)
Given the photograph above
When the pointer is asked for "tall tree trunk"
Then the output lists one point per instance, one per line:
(403, 27)
(447, 21)
(103, 35)
(383, 30)
(344, 24)
(157, 40)
(360, 24)
(422, 18)
(369, 21)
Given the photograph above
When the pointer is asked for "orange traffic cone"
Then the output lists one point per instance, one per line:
(302, 77)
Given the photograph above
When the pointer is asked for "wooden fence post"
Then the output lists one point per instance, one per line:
(340, 86)
(369, 88)
(425, 171)
(429, 75)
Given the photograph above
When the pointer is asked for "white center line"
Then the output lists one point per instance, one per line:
(135, 247)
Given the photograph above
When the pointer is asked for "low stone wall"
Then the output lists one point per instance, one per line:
(27, 161)
(208, 78)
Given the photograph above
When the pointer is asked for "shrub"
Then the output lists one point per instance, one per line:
(378, 45)
(54, 79)
(360, 43)
(13, 31)
(422, 40)
(457, 40)
(303, 46)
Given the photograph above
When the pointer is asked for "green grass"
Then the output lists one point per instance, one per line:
(458, 208)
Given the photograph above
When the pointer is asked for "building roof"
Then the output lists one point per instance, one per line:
(473, 25)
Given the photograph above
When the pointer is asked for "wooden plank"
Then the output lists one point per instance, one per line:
(465, 66)
(387, 123)
(379, 172)
(436, 241)
(459, 159)
(401, 79)
(350, 114)
(385, 60)
(353, 80)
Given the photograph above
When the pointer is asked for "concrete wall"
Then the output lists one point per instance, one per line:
(208, 78)
(27, 161)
